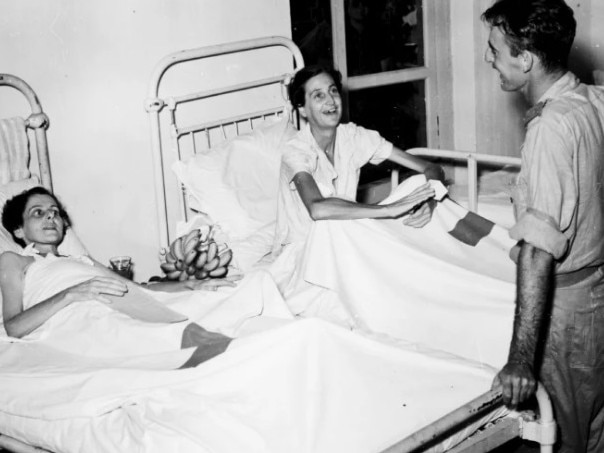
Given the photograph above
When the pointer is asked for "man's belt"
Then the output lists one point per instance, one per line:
(572, 278)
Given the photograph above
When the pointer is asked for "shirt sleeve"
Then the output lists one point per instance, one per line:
(550, 193)
(297, 158)
(367, 145)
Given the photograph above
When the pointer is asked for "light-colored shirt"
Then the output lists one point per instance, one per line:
(559, 199)
(354, 147)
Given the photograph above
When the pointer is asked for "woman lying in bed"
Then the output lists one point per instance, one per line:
(38, 221)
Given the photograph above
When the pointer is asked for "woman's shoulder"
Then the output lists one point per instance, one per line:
(351, 128)
(10, 259)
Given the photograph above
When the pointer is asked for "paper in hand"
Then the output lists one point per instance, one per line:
(439, 189)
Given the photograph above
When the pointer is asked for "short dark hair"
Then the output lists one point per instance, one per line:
(543, 27)
(295, 90)
(12, 214)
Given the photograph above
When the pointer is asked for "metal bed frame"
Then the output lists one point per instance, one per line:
(542, 429)
(472, 160)
(155, 104)
(38, 122)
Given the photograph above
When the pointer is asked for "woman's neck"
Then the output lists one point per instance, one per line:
(325, 139)
(45, 249)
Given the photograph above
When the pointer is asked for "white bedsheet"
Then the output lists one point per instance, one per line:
(93, 329)
(282, 385)
(421, 285)
(307, 386)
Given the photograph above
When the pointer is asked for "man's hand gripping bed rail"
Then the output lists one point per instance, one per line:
(541, 430)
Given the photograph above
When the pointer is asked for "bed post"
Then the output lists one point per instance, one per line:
(38, 121)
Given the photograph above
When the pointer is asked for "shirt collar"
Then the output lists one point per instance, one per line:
(565, 83)
(307, 136)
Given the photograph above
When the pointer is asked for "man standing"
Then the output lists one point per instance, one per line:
(559, 205)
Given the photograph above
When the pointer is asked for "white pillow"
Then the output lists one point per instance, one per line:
(252, 169)
(236, 183)
(249, 251)
(202, 177)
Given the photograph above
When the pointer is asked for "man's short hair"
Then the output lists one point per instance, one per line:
(543, 27)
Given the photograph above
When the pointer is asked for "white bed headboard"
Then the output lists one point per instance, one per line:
(198, 136)
(37, 122)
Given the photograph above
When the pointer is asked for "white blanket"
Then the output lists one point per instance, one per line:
(307, 386)
(423, 285)
(93, 329)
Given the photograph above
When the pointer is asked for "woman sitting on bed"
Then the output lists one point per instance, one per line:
(319, 176)
(321, 164)
(37, 221)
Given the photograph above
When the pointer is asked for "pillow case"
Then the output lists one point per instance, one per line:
(236, 183)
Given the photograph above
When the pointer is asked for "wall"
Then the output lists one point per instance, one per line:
(487, 119)
(90, 63)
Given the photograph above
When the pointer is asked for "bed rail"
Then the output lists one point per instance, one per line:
(155, 104)
(37, 120)
(472, 160)
(542, 430)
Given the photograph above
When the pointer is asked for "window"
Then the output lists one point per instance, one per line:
(391, 54)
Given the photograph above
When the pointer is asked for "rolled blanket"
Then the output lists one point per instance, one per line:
(14, 150)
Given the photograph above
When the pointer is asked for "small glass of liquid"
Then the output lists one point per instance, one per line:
(122, 265)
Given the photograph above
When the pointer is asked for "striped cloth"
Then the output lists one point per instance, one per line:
(14, 150)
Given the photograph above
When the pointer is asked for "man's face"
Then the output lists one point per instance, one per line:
(512, 74)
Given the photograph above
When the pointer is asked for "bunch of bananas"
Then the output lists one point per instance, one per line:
(196, 255)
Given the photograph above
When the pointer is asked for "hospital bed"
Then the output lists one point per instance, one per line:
(16, 136)
(215, 190)
(180, 140)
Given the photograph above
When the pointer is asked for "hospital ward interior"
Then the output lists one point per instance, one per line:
(169, 306)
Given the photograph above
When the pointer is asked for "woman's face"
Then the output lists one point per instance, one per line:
(322, 102)
(42, 221)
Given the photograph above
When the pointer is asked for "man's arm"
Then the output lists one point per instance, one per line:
(534, 281)
(431, 170)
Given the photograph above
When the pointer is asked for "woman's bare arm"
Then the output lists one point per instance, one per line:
(321, 208)
(431, 170)
(19, 322)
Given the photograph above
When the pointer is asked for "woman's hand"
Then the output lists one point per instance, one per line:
(94, 289)
(421, 216)
(415, 198)
(212, 284)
